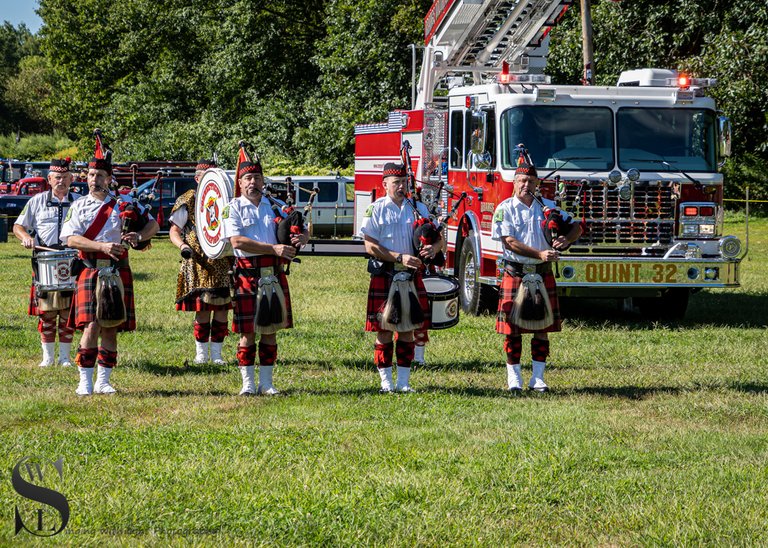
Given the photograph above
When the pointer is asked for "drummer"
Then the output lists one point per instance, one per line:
(43, 216)
(388, 232)
(93, 226)
(262, 300)
(203, 284)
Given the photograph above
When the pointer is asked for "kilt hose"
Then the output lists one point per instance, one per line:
(509, 287)
(195, 303)
(83, 310)
(378, 292)
(246, 292)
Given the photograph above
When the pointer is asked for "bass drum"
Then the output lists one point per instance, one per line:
(214, 192)
(443, 296)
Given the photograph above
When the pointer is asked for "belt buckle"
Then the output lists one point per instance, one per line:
(529, 268)
(266, 271)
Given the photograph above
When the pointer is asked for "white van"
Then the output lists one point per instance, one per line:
(333, 207)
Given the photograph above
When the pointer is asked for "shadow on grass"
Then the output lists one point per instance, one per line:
(179, 393)
(367, 365)
(164, 370)
(705, 309)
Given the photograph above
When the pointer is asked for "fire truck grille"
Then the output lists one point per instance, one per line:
(647, 217)
(627, 232)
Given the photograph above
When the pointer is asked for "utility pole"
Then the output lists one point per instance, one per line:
(588, 77)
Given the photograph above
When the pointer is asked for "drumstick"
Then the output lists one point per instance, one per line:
(43, 248)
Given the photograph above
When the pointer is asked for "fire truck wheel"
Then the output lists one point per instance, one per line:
(672, 305)
(476, 298)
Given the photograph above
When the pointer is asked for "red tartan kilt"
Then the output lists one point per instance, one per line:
(83, 310)
(195, 303)
(378, 291)
(244, 318)
(509, 286)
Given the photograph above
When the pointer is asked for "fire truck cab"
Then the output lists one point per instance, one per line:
(636, 163)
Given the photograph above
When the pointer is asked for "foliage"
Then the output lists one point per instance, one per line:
(16, 44)
(39, 146)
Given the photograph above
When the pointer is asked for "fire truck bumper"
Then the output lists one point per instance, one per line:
(651, 273)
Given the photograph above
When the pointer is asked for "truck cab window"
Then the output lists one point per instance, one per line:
(456, 142)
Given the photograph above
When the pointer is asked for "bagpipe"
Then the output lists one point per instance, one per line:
(554, 224)
(424, 230)
(134, 209)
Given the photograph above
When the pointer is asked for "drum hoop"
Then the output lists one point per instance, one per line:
(218, 182)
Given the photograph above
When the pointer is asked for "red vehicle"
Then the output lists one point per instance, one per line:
(636, 163)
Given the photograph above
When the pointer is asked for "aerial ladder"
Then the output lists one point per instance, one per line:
(480, 38)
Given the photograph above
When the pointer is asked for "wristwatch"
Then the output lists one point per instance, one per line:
(399, 258)
(138, 236)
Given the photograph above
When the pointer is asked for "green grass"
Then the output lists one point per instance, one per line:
(653, 434)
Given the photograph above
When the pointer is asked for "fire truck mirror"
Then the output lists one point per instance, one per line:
(477, 137)
(724, 131)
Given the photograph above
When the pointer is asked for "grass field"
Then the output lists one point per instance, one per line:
(653, 434)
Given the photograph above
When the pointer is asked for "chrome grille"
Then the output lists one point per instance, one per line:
(647, 218)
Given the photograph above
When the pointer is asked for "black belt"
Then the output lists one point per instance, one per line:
(256, 272)
(521, 269)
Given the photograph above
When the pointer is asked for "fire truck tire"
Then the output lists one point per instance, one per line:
(672, 305)
(475, 297)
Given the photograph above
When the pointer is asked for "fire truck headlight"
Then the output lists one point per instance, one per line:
(690, 229)
(615, 176)
(706, 230)
(730, 247)
(625, 192)
(633, 174)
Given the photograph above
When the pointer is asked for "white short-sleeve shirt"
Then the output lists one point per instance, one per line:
(82, 214)
(391, 225)
(257, 222)
(513, 218)
(45, 214)
(180, 217)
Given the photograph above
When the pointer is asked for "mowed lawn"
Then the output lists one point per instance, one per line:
(653, 433)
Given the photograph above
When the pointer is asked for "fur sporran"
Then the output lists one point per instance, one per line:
(271, 312)
(402, 311)
(532, 309)
(110, 303)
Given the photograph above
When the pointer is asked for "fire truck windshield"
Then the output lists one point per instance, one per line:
(559, 136)
(684, 139)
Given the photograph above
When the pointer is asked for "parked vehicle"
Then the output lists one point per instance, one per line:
(166, 193)
(332, 209)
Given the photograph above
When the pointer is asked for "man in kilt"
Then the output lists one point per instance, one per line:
(203, 285)
(517, 223)
(94, 227)
(387, 228)
(44, 216)
(262, 299)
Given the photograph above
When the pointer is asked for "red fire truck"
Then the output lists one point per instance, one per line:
(636, 163)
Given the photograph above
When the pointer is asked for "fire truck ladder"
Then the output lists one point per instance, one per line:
(477, 36)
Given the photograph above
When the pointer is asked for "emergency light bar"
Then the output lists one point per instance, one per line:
(684, 81)
(505, 77)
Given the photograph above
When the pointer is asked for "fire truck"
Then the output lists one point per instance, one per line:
(635, 163)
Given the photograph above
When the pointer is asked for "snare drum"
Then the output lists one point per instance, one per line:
(54, 270)
(443, 296)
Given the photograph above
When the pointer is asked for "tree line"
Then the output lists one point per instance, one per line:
(185, 78)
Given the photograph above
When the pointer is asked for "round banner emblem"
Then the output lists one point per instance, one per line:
(214, 191)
